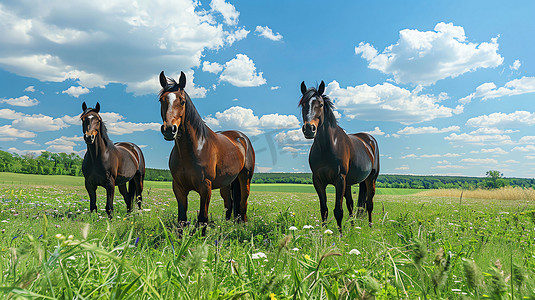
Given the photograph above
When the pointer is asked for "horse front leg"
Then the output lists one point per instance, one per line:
(110, 193)
(361, 202)
(205, 193)
(370, 186)
(227, 199)
(340, 185)
(127, 199)
(92, 191)
(245, 190)
(322, 195)
(181, 196)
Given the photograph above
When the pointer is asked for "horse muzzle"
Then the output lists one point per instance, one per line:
(309, 130)
(169, 132)
(89, 139)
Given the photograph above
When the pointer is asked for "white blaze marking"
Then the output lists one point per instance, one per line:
(335, 139)
(90, 117)
(310, 112)
(171, 97)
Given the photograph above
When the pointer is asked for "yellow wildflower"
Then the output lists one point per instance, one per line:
(307, 257)
(272, 296)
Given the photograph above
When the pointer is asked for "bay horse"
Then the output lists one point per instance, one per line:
(108, 165)
(202, 160)
(338, 158)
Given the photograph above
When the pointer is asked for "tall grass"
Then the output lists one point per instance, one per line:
(504, 193)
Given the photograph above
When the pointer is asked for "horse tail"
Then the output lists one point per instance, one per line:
(235, 193)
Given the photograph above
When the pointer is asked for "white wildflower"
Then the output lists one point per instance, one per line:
(328, 231)
(354, 251)
(258, 255)
(308, 227)
(292, 228)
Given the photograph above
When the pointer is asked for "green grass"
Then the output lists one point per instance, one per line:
(419, 246)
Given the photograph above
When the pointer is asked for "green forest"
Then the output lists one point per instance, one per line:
(48, 163)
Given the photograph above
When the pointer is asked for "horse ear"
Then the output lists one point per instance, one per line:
(321, 88)
(303, 88)
(84, 106)
(182, 81)
(163, 80)
(97, 108)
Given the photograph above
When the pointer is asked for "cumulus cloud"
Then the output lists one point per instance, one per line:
(241, 72)
(60, 39)
(24, 101)
(31, 88)
(427, 129)
(528, 148)
(515, 119)
(245, 120)
(480, 139)
(516, 65)
(226, 9)
(268, 33)
(496, 150)
(387, 102)
(64, 144)
(7, 131)
(514, 87)
(479, 161)
(528, 139)
(76, 91)
(424, 57)
(36, 122)
(376, 131)
(293, 141)
(213, 67)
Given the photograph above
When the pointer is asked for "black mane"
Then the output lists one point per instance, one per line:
(328, 107)
(104, 133)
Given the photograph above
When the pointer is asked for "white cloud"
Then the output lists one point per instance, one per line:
(449, 167)
(480, 161)
(387, 102)
(241, 72)
(403, 167)
(528, 148)
(514, 87)
(275, 87)
(480, 139)
(36, 122)
(244, 119)
(60, 39)
(496, 150)
(424, 57)
(7, 131)
(64, 144)
(427, 129)
(24, 101)
(30, 142)
(236, 35)
(10, 114)
(76, 91)
(227, 10)
(516, 65)
(376, 131)
(412, 155)
(31, 88)
(292, 138)
(528, 139)
(213, 67)
(268, 33)
(499, 119)
(24, 152)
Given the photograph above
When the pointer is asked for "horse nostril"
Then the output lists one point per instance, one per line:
(313, 128)
(303, 128)
(174, 129)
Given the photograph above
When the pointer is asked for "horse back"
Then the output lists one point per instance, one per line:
(135, 154)
(369, 144)
(242, 142)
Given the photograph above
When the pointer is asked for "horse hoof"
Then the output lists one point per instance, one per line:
(370, 224)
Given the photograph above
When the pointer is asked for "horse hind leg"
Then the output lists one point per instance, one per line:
(245, 190)
(138, 181)
(226, 194)
(361, 202)
(370, 186)
(126, 196)
(349, 200)
(235, 191)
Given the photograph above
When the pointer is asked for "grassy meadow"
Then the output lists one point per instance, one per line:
(422, 245)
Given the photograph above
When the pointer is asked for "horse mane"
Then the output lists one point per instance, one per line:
(191, 114)
(104, 133)
(328, 107)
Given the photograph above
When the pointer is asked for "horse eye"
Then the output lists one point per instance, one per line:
(182, 102)
(321, 104)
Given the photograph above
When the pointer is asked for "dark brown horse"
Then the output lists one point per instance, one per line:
(337, 158)
(203, 160)
(108, 165)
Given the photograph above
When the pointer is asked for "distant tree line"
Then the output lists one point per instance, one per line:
(48, 163)
(493, 179)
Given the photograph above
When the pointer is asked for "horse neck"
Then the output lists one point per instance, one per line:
(190, 138)
(324, 137)
(100, 147)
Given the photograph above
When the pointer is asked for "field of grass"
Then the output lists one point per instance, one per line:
(420, 246)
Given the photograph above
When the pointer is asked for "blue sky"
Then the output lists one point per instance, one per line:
(446, 87)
